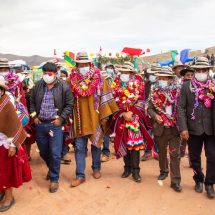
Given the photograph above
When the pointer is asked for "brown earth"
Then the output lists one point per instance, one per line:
(110, 194)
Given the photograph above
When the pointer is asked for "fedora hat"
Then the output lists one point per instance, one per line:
(2, 83)
(4, 63)
(201, 63)
(127, 67)
(165, 71)
(177, 64)
(155, 67)
(186, 69)
(82, 57)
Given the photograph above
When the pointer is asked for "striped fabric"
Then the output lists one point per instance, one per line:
(106, 98)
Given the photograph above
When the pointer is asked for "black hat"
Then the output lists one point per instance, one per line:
(186, 69)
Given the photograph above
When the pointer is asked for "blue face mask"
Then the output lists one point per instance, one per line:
(152, 78)
(162, 84)
(84, 70)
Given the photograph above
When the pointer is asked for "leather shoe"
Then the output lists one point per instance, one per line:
(77, 182)
(53, 187)
(199, 187)
(126, 174)
(210, 191)
(162, 176)
(176, 187)
(4, 208)
(97, 174)
(136, 176)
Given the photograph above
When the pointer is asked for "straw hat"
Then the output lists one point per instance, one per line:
(2, 83)
(155, 67)
(82, 57)
(177, 64)
(4, 63)
(127, 67)
(165, 71)
(201, 63)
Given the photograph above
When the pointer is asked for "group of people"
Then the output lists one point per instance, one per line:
(159, 111)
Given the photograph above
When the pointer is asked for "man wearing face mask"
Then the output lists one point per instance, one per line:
(163, 111)
(130, 123)
(51, 104)
(94, 105)
(110, 71)
(151, 79)
(187, 74)
(196, 124)
(177, 67)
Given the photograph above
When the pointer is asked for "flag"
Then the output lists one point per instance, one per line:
(132, 51)
(174, 53)
(69, 58)
(184, 56)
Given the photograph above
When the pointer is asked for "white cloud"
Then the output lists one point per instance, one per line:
(38, 27)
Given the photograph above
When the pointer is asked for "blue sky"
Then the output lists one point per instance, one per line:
(30, 27)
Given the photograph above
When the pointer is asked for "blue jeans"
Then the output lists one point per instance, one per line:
(50, 147)
(106, 143)
(80, 157)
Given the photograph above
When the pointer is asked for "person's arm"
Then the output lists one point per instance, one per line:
(69, 103)
(151, 111)
(182, 104)
(182, 116)
(33, 112)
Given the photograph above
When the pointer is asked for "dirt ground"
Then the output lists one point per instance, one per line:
(111, 194)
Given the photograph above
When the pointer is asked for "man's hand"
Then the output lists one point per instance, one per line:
(128, 116)
(184, 135)
(57, 122)
(37, 121)
(158, 119)
(11, 151)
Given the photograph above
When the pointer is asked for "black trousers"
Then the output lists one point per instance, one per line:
(195, 145)
(132, 161)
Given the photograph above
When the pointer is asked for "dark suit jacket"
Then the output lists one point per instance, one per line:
(157, 129)
(202, 123)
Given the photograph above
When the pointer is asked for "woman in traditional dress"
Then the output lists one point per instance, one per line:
(14, 166)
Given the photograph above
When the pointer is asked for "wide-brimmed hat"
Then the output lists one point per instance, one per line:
(155, 67)
(4, 63)
(186, 69)
(2, 83)
(201, 63)
(109, 64)
(177, 64)
(127, 67)
(82, 57)
(165, 71)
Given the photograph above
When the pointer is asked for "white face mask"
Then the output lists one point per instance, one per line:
(84, 70)
(49, 79)
(124, 77)
(202, 77)
(110, 71)
(162, 83)
(63, 78)
(152, 78)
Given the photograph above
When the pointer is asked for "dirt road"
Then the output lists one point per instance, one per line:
(110, 194)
